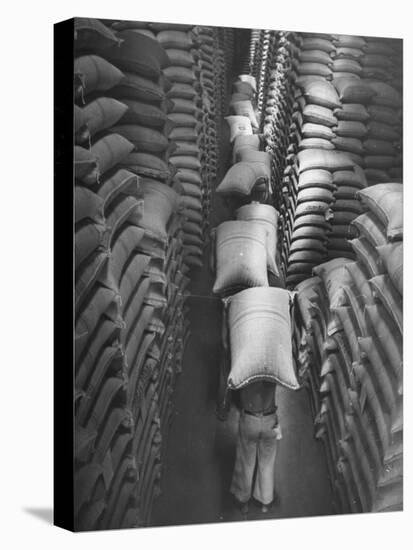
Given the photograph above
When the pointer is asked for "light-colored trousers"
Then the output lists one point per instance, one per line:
(256, 445)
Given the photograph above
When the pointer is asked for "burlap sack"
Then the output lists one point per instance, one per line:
(316, 143)
(96, 73)
(241, 256)
(261, 338)
(385, 292)
(324, 160)
(385, 200)
(352, 111)
(370, 227)
(351, 90)
(392, 257)
(334, 276)
(266, 215)
(139, 54)
(93, 35)
(319, 115)
(103, 113)
(160, 201)
(134, 86)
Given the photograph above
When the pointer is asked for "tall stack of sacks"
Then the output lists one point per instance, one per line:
(267, 42)
(278, 109)
(318, 227)
(370, 125)
(163, 246)
(276, 119)
(209, 61)
(253, 51)
(222, 79)
(187, 135)
(148, 125)
(382, 70)
(351, 320)
(379, 372)
(346, 126)
(308, 197)
(120, 374)
(107, 198)
(351, 126)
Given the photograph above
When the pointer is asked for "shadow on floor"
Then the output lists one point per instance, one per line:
(44, 514)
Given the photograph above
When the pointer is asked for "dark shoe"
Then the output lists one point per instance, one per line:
(244, 508)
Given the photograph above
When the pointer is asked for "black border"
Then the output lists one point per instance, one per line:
(63, 276)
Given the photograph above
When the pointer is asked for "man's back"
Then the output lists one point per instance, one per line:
(258, 397)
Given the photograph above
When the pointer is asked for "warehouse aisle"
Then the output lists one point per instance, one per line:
(200, 450)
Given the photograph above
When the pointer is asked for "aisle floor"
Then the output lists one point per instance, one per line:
(200, 451)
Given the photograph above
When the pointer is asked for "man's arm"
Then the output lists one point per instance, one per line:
(224, 396)
(212, 263)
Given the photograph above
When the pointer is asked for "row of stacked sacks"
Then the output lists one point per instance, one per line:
(319, 204)
(189, 147)
(367, 120)
(130, 275)
(334, 111)
(244, 262)
(278, 108)
(350, 319)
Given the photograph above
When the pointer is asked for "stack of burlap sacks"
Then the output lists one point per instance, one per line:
(350, 328)
(340, 135)
(337, 110)
(139, 118)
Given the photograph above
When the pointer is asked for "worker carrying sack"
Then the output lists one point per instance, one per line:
(242, 177)
(259, 323)
(266, 215)
(244, 108)
(385, 200)
(249, 79)
(251, 142)
(239, 126)
(241, 256)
